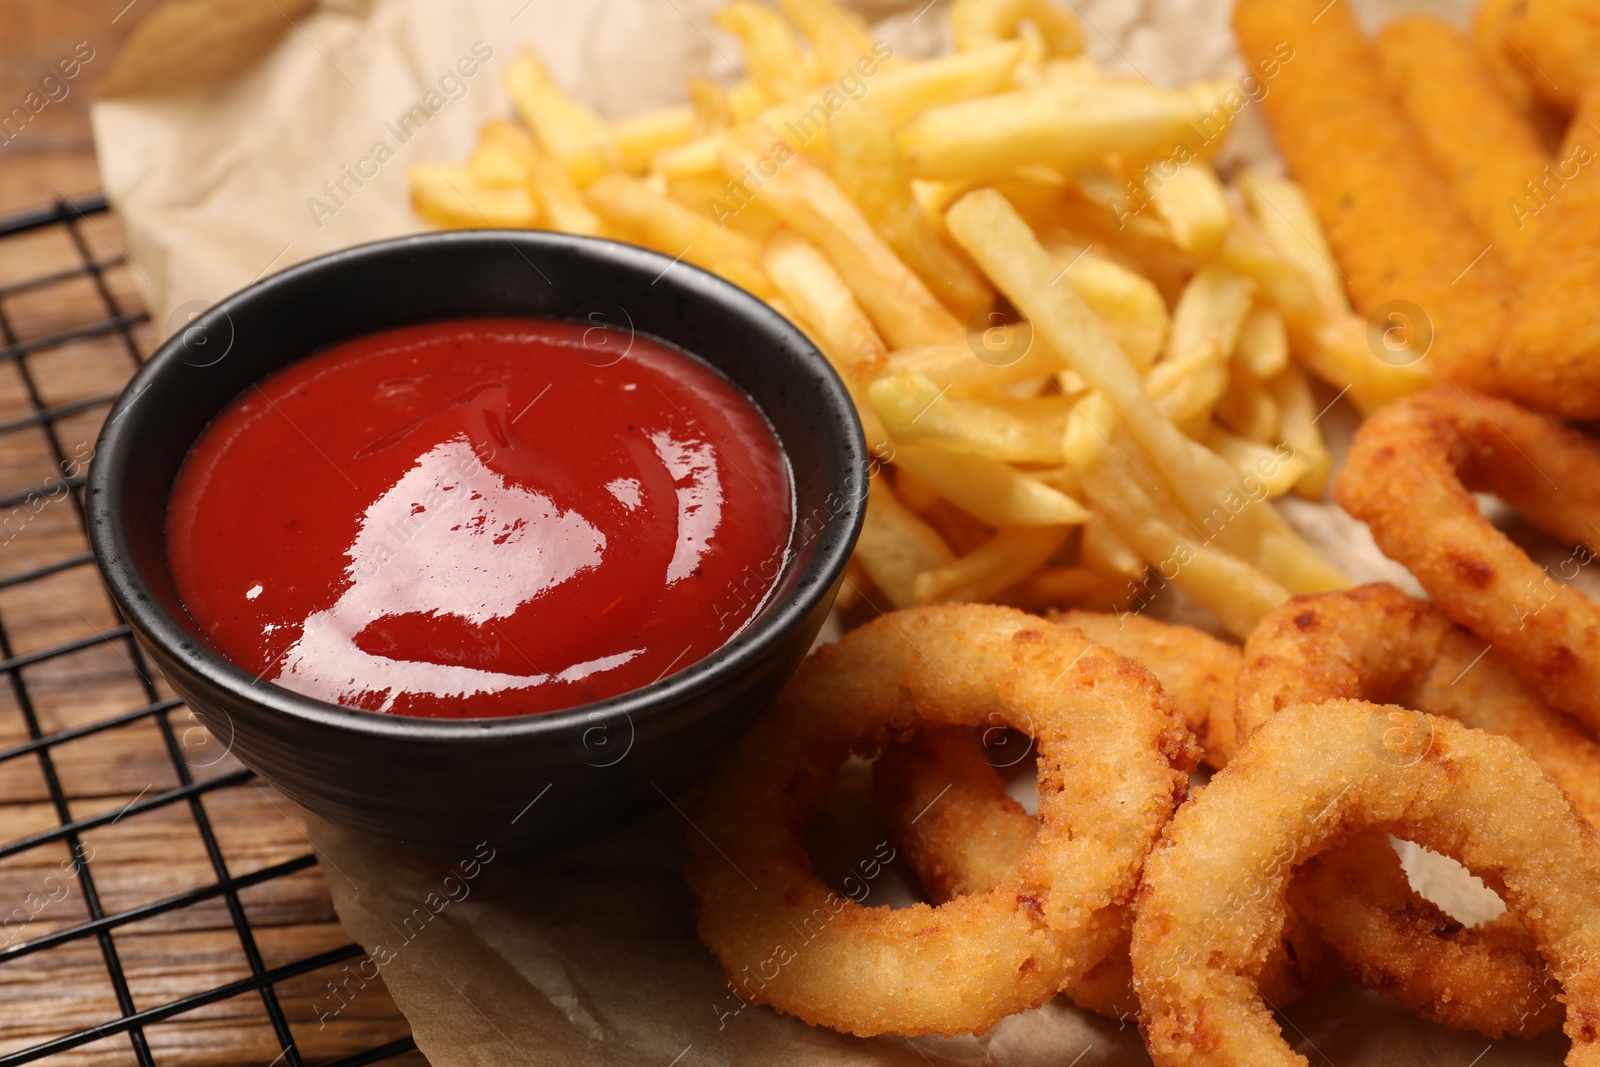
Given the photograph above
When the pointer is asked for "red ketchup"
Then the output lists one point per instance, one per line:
(481, 517)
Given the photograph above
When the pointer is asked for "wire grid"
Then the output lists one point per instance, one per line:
(119, 324)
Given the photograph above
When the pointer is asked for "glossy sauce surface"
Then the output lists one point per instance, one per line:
(480, 518)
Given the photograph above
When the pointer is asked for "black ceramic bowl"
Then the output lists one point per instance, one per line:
(529, 784)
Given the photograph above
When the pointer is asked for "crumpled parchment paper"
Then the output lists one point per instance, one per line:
(231, 125)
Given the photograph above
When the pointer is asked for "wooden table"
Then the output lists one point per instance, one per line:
(60, 672)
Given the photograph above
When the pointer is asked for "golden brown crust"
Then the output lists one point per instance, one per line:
(1212, 903)
(1114, 758)
(1410, 476)
(1389, 216)
(1485, 148)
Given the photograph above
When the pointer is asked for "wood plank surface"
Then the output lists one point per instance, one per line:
(142, 857)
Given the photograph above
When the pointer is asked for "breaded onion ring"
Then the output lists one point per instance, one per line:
(948, 810)
(1488, 978)
(1211, 907)
(1114, 759)
(1410, 476)
(1377, 644)
(1198, 671)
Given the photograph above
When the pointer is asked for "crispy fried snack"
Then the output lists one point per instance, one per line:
(1114, 759)
(948, 809)
(1488, 978)
(1198, 671)
(1552, 353)
(1375, 643)
(1410, 476)
(1390, 217)
(1212, 906)
(1476, 137)
(1558, 44)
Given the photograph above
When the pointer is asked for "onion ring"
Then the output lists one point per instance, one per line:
(1408, 477)
(1211, 907)
(1114, 758)
(1377, 644)
(1198, 671)
(948, 810)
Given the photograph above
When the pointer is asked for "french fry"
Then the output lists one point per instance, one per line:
(1299, 415)
(674, 230)
(1187, 389)
(570, 131)
(822, 299)
(1102, 549)
(1213, 307)
(899, 95)
(501, 159)
(1237, 593)
(1262, 350)
(914, 409)
(639, 138)
(1257, 461)
(1285, 216)
(1128, 303)
(905, 92)
(447, 194)
(868, 164)
(772, 55)
(1194, 207)
(1248, 409)
(1056, 124)
(901, 307)
(955, 366)
(979, 23)
(895, 546)
(708, 195)
(999, 240)
(994, 493)
(550, 183)
(839, 38)
(1089, 430)
(1069, 587)
(1005, 560)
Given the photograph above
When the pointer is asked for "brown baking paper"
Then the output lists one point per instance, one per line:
(227, 153)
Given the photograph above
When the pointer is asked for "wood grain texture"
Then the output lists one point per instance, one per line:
(149, 856)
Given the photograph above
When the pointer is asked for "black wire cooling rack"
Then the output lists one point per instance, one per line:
(75, 826)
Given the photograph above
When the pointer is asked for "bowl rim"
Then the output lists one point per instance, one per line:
(115, 450)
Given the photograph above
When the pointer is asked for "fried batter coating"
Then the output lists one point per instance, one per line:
(1410, 476)
(1389, 216)
(947, 808)
(1552, 352)
(1114, 760)
(1477, 138)
(1375, 643)
(1211, 908)
(1198, 671)
(1558, 43)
